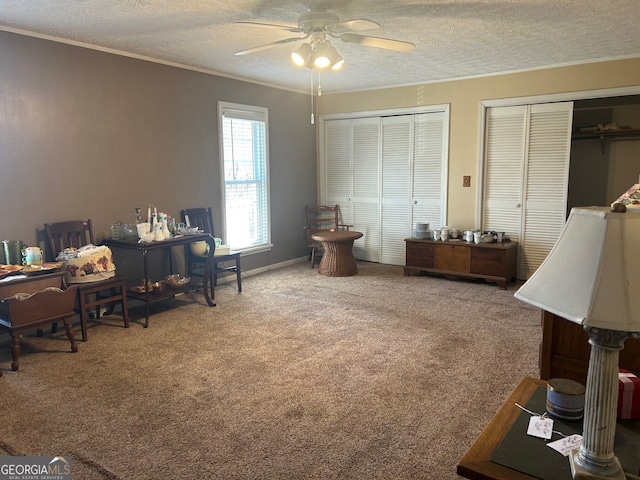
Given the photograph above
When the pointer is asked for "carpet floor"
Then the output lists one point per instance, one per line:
(300, 376)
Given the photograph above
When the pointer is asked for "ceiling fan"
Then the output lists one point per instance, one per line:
(319, 25)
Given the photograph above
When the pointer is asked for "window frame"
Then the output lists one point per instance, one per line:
(246, 112)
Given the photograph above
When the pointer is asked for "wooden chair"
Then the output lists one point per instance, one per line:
(203, 219)
(321, 218)
(77, 233)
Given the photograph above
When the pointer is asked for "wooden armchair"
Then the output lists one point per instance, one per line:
(77, 233)
(321, 218)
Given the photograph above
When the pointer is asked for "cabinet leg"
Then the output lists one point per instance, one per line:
(15, 352)
(70, 335)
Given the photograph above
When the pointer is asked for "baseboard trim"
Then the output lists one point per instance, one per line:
(231, 277)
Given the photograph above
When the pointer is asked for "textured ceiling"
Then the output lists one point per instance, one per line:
(453, 38)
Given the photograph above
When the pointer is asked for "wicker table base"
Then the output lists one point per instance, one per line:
(337, 260)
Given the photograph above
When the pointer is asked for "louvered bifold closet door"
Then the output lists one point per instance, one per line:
(337, 166)
(397, 150)
(546, 180)
(428, 182)
(503, 169)
(366, 188)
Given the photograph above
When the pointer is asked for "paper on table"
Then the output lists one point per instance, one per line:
(540, 427)
(566, 444)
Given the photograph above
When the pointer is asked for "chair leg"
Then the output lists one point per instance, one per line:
(313, 257)
(238, 274)
(125, 308)
(98, 306)
(112, 305)
(83, 315)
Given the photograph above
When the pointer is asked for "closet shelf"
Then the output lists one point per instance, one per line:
(608, 135)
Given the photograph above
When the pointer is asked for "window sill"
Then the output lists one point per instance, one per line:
(251, 250)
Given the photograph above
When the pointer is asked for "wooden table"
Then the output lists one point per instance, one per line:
(479, 462)
(337, 260)
(146, 247)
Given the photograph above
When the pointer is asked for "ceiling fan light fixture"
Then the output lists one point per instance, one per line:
(337, 61)
(300, 56)
(322, 56)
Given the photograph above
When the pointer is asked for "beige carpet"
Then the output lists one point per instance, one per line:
(301, 376)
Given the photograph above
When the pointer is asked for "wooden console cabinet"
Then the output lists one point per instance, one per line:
(41, 307)
(493, 262)
(565, 350)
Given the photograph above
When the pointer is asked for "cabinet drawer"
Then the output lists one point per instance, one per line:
(453, 258)
(488, 261)
(419, 254)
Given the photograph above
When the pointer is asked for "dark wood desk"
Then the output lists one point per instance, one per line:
(479, 462)
(146, 247)
(337, 260)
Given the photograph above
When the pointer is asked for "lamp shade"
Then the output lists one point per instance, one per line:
(322, 57)
(630, 198)
(300, 57)
(592, 274)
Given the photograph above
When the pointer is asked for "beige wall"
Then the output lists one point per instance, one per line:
(465, 96)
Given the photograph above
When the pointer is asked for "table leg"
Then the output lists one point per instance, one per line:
(146, 290)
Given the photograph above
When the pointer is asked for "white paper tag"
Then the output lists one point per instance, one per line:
(566, 444)
(541, 427)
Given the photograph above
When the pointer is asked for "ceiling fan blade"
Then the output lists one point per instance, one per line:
(273, 26)
(357, 25)
(269, 45)
(387, 44)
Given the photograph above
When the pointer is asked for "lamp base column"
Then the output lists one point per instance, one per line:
(580, 473)
(595, 458)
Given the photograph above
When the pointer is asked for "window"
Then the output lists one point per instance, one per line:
(245, 172)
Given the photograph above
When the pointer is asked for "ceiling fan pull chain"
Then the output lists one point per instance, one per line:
(312, 106)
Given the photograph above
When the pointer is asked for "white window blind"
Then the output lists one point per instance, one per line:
(245, 167)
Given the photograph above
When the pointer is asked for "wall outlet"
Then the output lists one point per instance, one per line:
(466, 181)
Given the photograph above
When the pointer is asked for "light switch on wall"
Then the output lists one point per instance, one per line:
(466, 181)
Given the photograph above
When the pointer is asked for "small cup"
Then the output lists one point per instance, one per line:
(436, 234)
(32, 256)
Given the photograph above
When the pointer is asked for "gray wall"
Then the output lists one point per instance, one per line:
(88, 134)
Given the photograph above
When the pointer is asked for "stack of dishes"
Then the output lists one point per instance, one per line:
(421, 231)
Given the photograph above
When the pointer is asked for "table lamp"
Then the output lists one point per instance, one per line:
(592, 277)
